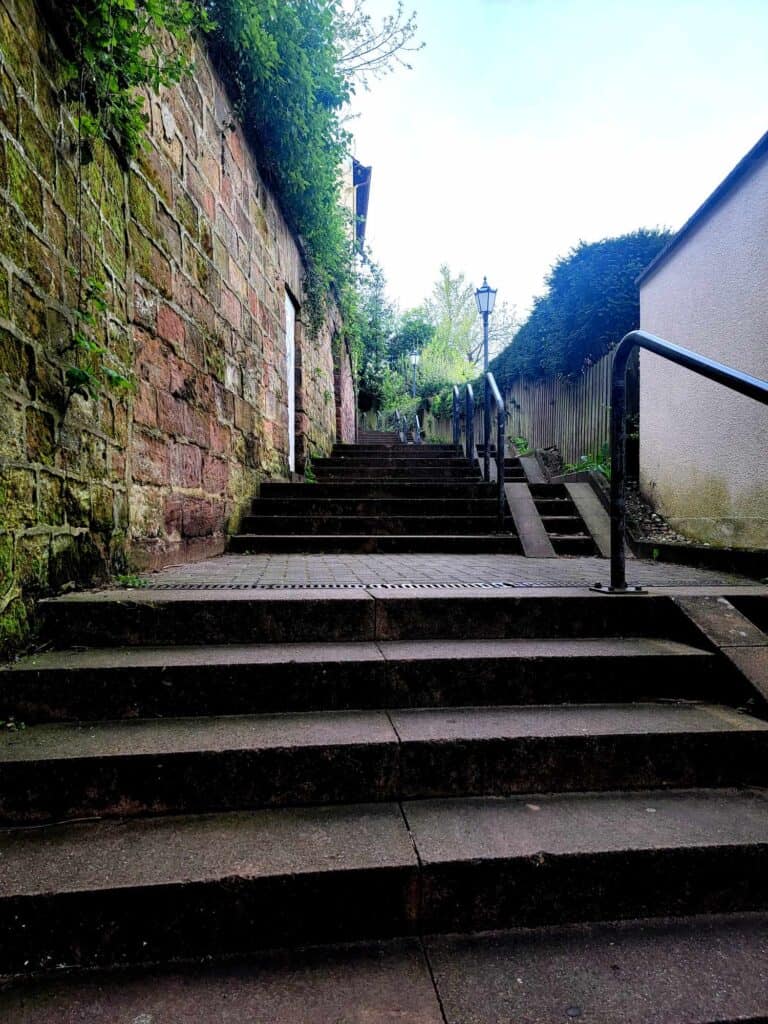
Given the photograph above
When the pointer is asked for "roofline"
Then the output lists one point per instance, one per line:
(740, 171)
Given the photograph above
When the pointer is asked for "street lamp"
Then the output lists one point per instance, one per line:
(415, 359)
(486, 299)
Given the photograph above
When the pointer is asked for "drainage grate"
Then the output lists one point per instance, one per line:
(447, 585)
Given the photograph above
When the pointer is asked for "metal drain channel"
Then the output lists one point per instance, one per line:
(338, 586)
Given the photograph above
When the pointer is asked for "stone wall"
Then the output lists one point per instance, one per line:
(346, 404)
(197, 258)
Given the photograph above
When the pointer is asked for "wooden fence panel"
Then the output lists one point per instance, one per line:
(571, 413)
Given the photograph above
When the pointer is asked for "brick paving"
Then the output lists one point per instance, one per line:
(353, 570)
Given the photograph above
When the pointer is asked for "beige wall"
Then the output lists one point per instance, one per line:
(704, 450)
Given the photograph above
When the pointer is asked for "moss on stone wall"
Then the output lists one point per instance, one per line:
(196, 258)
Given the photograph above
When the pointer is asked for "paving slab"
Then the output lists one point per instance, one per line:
(179, 849)
(50, 772)
(296, 569)
(566, 748)
(544, 860)
(517, 827)
(696, 970)
(152, 890)
(143, 616)
(381, 983)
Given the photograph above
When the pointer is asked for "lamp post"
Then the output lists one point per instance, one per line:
(415, 359)
(486, 299)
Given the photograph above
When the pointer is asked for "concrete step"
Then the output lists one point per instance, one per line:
(404, 490)
(396, 447)
(693, 970)
(368, 471)
(491, 862)
(387, 524)
(420, 461)
(382, 543)
(153, 617)
(581, 545)
(199, 765)
(145, 682)
(309, 504)
(410, 457)
(148, 890)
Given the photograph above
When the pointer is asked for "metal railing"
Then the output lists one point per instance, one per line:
(456, 417)
(469, 425)
(492, 390)
(737, 381)
(416, 429)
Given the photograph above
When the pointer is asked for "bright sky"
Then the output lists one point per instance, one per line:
(527, 125)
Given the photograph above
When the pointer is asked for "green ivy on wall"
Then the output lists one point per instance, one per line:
(281, 62)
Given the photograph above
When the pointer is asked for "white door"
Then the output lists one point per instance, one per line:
(290, 372)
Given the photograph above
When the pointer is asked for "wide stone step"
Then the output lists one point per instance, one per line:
(153, 617)
(154, 889)
(308, 504)
(317, 523)
(366, 471)
(695, 969)
(145, 682)
(578, 544)
(198, 765)
(408, 453)
(406, 490)
(377, 543)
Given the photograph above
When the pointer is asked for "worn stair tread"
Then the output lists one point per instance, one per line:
(177, 850)
(694, 970)
(422, 725)
(194, 656)
(164, 737)
(104, 855)
(507, 828)
(366, 983)
(161, 737)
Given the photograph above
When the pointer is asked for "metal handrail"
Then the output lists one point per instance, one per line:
(416, 429)
(501, 426)
(743, 383)
(469, 425)
(401, 426)
(456, 417)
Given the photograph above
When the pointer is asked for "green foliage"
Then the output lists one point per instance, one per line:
(120, 47)
(130, 581)
(521, 445)
(281, 61)
(309, 471)
(86, 376)
(591, 302)
(599, 461)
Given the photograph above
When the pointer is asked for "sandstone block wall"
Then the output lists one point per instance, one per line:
(346, 399)
(197, 258)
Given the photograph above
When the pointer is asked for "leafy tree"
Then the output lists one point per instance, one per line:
(376, 323)
(370, 51)
(413, 334)
(591, 302)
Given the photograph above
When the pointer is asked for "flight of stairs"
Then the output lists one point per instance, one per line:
(564, 526)
(205, 774)
(380, 496)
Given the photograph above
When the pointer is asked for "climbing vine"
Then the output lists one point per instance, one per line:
(290, 67)
(116, 49)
